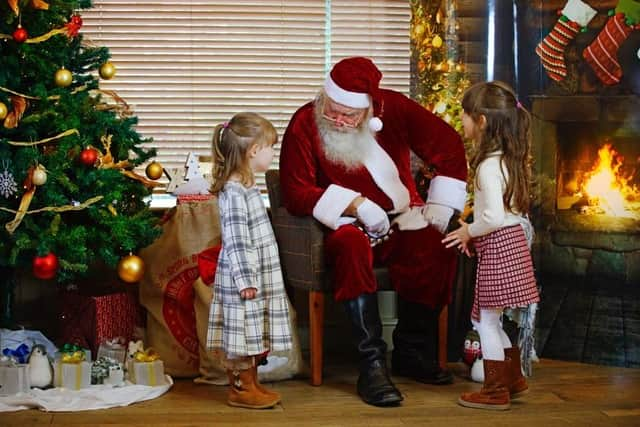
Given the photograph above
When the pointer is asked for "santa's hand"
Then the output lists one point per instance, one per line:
(437, 216)
(373, 217)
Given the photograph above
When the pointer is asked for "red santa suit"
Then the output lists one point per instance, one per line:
(421, 268)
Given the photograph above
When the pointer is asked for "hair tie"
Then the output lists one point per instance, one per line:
(225, 125)
(518, 104)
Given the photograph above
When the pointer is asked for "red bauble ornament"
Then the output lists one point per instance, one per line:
(76, 20)
(88, 156)
(20, 35)
(45, 267)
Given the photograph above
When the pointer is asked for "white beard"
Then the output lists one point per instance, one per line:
(346, 147)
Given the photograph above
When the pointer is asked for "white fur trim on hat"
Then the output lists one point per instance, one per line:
(447, 191)
(329, 208)
(345, 97)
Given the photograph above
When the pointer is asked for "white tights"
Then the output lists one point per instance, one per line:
(493, 339)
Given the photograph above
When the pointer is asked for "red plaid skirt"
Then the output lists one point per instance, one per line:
(504, 276)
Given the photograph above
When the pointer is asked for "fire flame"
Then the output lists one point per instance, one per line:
(606, 185)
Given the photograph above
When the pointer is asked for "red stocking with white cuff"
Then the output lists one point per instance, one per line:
(602, 53)
(574, 16)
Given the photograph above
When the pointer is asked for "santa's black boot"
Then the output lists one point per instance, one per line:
(374, 385)
(415, 344)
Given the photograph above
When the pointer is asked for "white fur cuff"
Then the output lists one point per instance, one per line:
(578, 11)
(332, 204)
(447, 191)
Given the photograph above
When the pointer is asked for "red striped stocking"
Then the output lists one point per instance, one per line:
(575, 15)
(602, 53)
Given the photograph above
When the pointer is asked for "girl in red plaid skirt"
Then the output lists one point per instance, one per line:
(499, 126)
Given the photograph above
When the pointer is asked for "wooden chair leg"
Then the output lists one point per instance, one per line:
(442, 336)
(316, 323)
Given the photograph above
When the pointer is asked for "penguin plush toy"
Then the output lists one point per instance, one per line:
(40, 369)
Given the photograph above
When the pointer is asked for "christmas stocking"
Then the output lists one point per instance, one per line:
(575, 16)
(602, 53)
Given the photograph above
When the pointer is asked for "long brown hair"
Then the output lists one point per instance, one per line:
(507, 129)
(230, 144)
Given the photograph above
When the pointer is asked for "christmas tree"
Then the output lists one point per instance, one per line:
(439, 77)
(69, 196)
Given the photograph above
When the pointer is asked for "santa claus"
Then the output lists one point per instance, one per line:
(345, 159)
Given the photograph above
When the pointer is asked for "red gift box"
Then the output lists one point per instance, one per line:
(90, 320)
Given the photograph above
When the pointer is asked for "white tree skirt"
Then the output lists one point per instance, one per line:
(93, 397)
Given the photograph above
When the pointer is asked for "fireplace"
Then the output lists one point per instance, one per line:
(579, 143)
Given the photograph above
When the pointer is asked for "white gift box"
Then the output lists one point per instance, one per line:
(115, 351)
(73, 376)
(14, 378)
(147, 373)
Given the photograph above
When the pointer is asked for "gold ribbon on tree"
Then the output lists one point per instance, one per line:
(19, 105)
(22, 211)
(106, 161)
(36, 4)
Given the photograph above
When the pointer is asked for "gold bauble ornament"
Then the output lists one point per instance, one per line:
(3, 111)
(131, 268)
(107, 70)
(154, 170)
(39, 176)
(63, 77)
(437, 41)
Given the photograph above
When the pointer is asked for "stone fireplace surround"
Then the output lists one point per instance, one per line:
(570, 243)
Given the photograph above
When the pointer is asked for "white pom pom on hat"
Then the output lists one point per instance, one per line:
(354, 82)
(375, 124)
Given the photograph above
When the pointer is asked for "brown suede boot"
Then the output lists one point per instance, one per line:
(516, 383)
(244, 393)
(263, 389)
(494, 393)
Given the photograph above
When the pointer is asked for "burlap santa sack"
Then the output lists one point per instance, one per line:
(167, 289)
(178, 299)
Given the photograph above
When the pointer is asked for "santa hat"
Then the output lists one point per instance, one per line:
(354, 82)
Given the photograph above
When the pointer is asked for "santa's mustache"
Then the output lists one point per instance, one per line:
(346, 148)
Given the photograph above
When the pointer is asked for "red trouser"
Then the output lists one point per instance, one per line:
(420, 267)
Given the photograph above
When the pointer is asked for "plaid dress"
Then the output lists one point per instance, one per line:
(249, 258)
(504, 275)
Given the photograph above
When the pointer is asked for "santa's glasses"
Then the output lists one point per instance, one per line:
(342, 116)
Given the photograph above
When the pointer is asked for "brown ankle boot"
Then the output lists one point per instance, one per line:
(494, 393)
(516, 383)
(265, 390)
(244, 393)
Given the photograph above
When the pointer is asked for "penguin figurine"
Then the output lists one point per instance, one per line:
(40, 369)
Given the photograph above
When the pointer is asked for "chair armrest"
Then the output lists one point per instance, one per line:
(300, 243)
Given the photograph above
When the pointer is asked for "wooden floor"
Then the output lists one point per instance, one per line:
(562, 394)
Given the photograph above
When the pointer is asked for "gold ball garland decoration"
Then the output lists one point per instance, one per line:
(63, 77)
(154, 170)
(39, 176)
(131, 268)
(107, 70)
(3, 111)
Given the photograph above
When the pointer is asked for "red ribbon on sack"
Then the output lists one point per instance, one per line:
(207, 263)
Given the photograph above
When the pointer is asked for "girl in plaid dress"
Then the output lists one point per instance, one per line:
(249, 313)
(499, 126)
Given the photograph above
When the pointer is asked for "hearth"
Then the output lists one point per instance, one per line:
(587, 157)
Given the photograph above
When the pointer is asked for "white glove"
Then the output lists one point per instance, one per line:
(437, 216)
(373, 217)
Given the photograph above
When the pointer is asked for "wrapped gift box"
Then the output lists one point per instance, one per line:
(14, 378)
(90, 320)
(147, 373)
(73, 376)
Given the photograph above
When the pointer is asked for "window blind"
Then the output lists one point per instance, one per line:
(186, 65)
